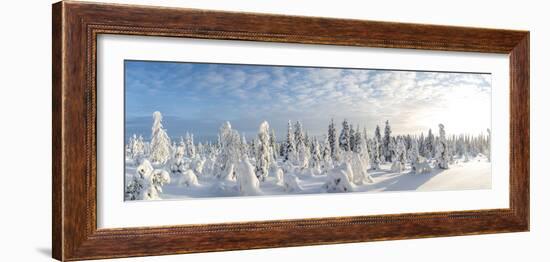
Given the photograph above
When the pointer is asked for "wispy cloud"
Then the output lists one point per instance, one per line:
(248, 94)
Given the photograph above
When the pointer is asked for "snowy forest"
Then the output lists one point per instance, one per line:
(347, 158)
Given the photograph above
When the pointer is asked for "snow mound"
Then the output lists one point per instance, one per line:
(147, 183)
(188, 178)
(198, 165)
(421, 166)
(278, 174)
(145, 169)
(159, 178)
(292, 183)
(338, 179)
(314, 171)
(359, 169)
(209, 166)
(248, 183)
(228, 174)
(178, 166)
(397, 167)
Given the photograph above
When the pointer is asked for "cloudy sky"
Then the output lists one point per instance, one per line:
(199, 97)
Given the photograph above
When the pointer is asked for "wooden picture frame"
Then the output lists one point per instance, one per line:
(75, 28)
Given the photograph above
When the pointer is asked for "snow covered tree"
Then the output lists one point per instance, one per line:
(282, 150)
(375, 154)
(160, 142)
(302, 150)
(451, 148)
(392, 148)
(137, 148)
(188, 178)
(419, 164)
(421, 146)
(405, 147)
(252, 147)
(359, 166)
(460, 146)
(276, 172)
(307, 141)
(129, 145)
(200, 149)
(430, 145)
(244, 146)
(414, 152)
(178, 164)
(377, 135)
(147, 183)
(299, 133)
(273, 145)
(351, 138)
(311, 146)
(135, 186)
(358, 145)
(190, 145)
(408, 145)
(386, 143)
(442, 149)
(316, 155)
(489, 144)
(230, 152)
(264, 152)
(339, 179)
(473, 146)
(173, 148)
(290, 145)
(127, 150)
(182, 170)
(326, 155)
(399, 157)
(248, 183)
(345, 139)
(332, 140)
(465, 145)
(365, 139)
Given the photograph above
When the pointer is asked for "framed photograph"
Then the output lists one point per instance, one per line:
(181, 130)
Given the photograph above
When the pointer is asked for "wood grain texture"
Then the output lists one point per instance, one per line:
(519, 129)
(76, 26)
(57, 195)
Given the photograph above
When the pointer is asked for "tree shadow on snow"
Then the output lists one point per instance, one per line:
(404, 181)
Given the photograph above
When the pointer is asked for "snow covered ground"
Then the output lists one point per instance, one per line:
(475, 174)
(472, 174)
(349, 162)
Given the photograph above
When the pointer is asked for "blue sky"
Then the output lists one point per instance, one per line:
(198, 98)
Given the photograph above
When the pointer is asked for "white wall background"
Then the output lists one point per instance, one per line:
(25, 131)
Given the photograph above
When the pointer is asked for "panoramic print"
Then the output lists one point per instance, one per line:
(200, 130)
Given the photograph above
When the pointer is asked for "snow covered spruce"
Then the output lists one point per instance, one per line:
(345, 159)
